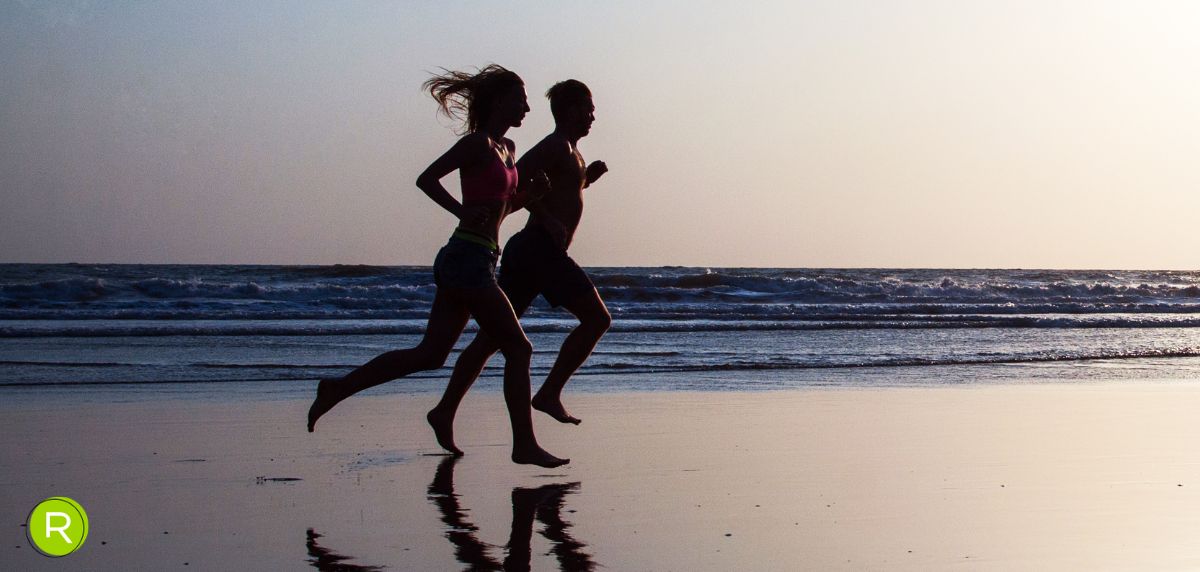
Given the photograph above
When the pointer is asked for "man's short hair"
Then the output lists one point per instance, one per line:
(566, 94)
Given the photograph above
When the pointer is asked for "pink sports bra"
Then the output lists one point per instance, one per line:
(496, 181)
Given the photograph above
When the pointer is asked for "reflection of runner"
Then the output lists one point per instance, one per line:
(545, 503)
(549, 500)
(493, 101)
(536, 262)
(326, 560)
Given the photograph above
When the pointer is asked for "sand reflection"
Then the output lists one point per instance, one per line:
(326, 560)
(544, 504)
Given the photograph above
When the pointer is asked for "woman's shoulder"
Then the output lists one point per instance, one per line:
(475, 141)
(473, 148)
(481, 143)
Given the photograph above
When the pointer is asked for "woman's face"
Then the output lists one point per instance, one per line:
(512, 106)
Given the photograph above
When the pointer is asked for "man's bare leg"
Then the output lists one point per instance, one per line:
(468, 367)
(594, 320)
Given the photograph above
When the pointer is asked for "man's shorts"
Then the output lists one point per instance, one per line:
(534, 264)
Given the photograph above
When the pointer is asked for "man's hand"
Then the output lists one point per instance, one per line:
(594, 171)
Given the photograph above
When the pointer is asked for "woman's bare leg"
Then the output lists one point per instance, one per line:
(495, 316)
(447, 319)
(466, 370)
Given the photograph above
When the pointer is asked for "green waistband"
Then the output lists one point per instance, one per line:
(476, 238)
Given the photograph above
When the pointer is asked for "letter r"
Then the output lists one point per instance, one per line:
(59, 529)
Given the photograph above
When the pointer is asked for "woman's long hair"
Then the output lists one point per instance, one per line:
(470, 97)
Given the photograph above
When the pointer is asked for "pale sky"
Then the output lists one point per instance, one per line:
(841, 133)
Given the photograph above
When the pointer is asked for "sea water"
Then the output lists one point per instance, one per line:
(141, 331)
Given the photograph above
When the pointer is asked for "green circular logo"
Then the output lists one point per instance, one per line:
(57, 526)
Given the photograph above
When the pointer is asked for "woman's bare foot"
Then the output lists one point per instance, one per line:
(535, 455)
(327, 396)
(443, 430)
(553, 407)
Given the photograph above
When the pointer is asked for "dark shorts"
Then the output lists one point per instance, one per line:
(464, 264)
(533, 264)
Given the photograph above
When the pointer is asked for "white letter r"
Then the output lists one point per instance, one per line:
(61, 529)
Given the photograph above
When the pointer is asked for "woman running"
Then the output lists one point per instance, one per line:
(490, 102)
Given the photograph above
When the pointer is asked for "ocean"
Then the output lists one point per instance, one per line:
(115, 332)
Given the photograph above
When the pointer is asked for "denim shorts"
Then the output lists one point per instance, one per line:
(465, 264)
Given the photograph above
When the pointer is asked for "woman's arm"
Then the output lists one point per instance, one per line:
(466, 152)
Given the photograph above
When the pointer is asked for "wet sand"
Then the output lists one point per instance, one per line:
(1052, 477)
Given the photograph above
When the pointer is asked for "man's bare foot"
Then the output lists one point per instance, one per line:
(534, 455)
(443, 430)
(554, 408)
(327, 396)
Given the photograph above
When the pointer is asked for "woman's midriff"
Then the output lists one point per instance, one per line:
(490, 227)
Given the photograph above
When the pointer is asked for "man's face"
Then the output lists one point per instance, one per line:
(583, 115)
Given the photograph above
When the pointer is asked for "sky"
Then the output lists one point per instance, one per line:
(847, 133)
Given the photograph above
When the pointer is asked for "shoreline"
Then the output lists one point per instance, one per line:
(52, 396)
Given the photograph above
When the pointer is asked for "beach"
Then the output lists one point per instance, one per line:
(734, 419)
(934, 309)
(1015, 476)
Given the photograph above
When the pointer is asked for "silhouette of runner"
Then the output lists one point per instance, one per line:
(492, 101)
(536, 262)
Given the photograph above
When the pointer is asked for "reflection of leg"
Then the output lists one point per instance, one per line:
(569, 551)
(447, 319)
(546, 502)
(326, 560)
(594, 320)
(468, 367)
(519, 552)
(459, 531)
(495, 316)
